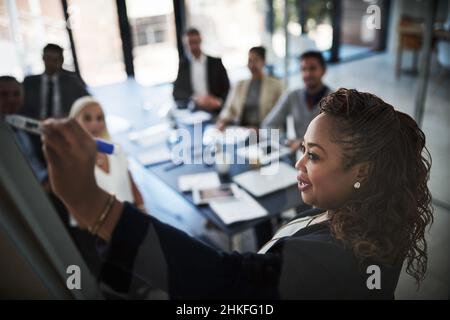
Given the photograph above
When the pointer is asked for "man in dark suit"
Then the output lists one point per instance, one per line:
(52, 93)
(201, 78)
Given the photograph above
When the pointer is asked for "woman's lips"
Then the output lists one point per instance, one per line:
(303, 184)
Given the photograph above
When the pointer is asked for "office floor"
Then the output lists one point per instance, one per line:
(376, 75)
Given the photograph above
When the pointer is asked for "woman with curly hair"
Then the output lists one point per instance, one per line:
(364, 165)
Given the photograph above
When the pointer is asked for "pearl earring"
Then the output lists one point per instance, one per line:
(357, 185)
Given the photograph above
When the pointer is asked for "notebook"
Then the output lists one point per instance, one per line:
(241, 208)
(268, 179)
(198, 180)
(154, 155)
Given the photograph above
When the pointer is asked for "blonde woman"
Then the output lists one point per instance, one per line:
(111, 171)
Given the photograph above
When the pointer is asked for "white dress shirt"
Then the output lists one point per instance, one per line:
(199, 77)
(289, 230)
(56, 112)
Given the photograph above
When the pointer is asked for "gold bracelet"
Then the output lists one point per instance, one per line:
(103, 215)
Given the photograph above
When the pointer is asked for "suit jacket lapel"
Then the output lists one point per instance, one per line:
(209, 73)
(187, 72)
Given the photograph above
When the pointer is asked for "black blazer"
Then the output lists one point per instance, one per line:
(309, 265)
(218, 82)
(71, 87)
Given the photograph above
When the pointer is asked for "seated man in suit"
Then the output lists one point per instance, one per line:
(201, 78)
(52, 93)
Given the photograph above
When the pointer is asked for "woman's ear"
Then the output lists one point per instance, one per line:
(362, 171)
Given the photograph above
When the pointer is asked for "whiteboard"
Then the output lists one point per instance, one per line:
(33, 228)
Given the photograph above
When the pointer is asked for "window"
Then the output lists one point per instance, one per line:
(229, 29)
(150, 30)
(155, 54)
(25, 28)
(97, 40)
(318, 25)
(356, 37)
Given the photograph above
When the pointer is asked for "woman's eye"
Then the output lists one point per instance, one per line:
(312, 156)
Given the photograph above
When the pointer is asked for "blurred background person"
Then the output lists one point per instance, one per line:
(301, 103)
(52, 93)
(111, 171)
(201, 78)
(252, 99)
(11, 102)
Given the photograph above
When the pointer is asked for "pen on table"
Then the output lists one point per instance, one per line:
(34, 126)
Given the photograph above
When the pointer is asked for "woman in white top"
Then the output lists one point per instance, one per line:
(111, 171)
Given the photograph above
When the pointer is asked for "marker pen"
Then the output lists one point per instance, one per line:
(34, 126)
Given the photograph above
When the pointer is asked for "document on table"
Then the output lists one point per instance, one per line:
(152, 135)
(231, 135)
(268, 179)
(154, 155)
(242, 208)
(199, 180)
(194, 117)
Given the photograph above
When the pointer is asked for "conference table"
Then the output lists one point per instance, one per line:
(274, 202)
(160, 182)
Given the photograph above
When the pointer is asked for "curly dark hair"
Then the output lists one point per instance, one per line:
(386, 219)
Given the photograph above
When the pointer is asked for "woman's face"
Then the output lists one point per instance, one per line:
(322, 180)
(255, 63)
(92, 119)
